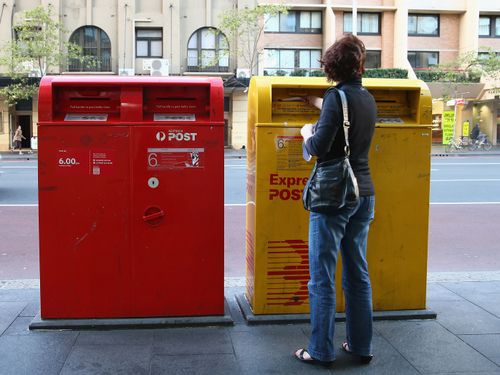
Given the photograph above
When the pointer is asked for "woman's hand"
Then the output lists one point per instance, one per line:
(315, 101)
(307, 131)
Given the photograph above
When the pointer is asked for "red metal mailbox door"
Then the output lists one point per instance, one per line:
(84, 221)
(177, 220)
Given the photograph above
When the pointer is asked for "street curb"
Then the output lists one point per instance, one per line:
(252, 319)
(133, 323)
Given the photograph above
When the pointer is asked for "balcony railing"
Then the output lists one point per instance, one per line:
(91, 64)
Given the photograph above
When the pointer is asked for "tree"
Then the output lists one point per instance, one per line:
(33, 52)
(246, 25)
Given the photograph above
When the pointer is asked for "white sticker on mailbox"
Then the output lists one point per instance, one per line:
(175, 158)
(85, 117)
(174, 117)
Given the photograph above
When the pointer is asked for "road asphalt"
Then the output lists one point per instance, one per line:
(464, 338)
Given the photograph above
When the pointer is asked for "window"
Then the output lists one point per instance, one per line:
(208, 51)
(373, 59)
(489, 26)
(294, 22)
(96, 48)
(368, 23)
(423, 24)
(289, 60)
(422, 59)
(149, 43)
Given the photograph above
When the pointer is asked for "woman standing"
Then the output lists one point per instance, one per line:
(18, 139)
(347, 229)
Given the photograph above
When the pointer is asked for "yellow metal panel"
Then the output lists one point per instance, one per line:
(277, 224)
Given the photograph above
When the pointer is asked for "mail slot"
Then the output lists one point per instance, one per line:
(277, 224)
(131, 197)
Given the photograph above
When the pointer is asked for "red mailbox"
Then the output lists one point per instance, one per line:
(131, 197)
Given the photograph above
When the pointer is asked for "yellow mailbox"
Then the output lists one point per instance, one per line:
(277, 224)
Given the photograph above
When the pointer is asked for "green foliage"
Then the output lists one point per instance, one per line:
(246, 26)
(21, 89)
(299, 73)
(34, 51)
(281, 73)
(317, 73)
(386, 73)
(467, 68)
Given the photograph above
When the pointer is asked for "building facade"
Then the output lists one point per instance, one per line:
(176, 37)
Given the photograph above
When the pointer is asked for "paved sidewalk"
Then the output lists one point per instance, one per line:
(464, 339)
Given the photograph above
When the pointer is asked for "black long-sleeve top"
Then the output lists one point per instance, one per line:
(328, 141)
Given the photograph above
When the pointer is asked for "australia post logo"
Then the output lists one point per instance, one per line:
(286, 187)
(176, 135)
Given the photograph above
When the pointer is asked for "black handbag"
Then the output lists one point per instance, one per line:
(332, 184)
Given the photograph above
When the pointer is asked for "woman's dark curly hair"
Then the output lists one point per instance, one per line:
(345, 59)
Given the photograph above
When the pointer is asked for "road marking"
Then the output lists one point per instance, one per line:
(19, 167)
(18, 205)
(462, 203)
(231, 282)
(469, 180)
(436, 277)
(465, 163)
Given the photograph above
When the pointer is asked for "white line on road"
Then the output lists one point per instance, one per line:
(465, 163)
(462, 203)
(19, 167)
(18, 205)
(432, 277)
(469, 180)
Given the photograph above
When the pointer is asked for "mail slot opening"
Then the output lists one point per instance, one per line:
(86, 103)
(396, 106)
(170, 103)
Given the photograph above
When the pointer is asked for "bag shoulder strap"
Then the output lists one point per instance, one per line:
(346, 123)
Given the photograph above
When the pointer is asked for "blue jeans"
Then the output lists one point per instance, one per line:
(347, 231)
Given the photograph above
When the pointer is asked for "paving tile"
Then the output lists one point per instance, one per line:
(20, 326)
(8, 313)
(19, 295)
(464, 317)
(36, 353)
(430, 348)
(116, 337)
(31, 309)
(487, 345)
(437, 292)
(269, 349)
(185, 341)
(108, 359)
(471, 288)
(211, 364)
(386, 359)
(489, 302)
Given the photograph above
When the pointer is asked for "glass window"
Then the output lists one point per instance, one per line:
(304, 59)
(142, 48)
(420, 59)
(305, 20)
(289, 60)
(489, 26)
(96, 48)
(272, 23)
(421, 24)
(484, 26)
(287, 22)
(294, 22)
(208, 50)
(368, 23)
(373, 59)
(316, 20)
(149, 42)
